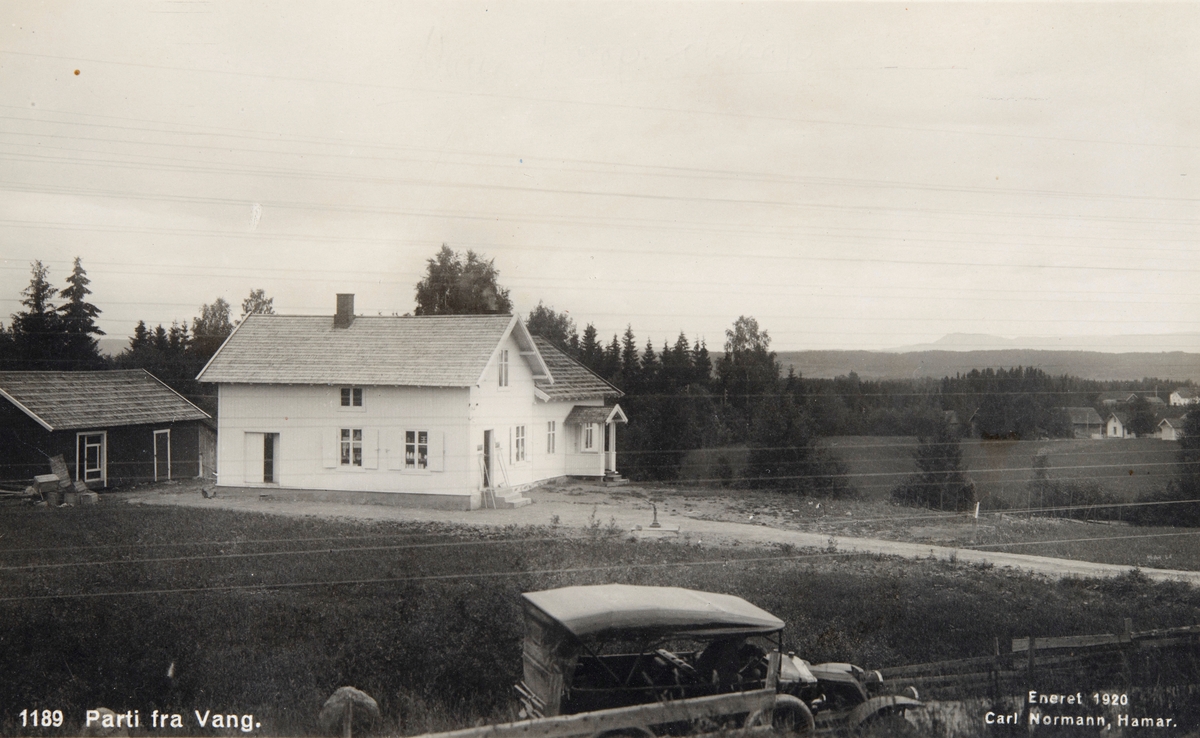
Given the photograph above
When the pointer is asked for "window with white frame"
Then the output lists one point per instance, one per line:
(503, 378)
(351, 447)
(520, 443)
(416, 449)
(352, 397)
(589, 437)
(551, 428)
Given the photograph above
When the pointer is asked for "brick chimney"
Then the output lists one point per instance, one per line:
(345, 311)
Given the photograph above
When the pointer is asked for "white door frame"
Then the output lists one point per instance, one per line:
(157, 433)
(81, 470)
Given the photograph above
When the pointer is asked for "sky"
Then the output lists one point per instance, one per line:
(852, 175)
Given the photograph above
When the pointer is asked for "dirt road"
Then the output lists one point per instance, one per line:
(581, 506)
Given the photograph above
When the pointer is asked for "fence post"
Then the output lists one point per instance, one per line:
(1126, 646)
(996, 671)
(1029, 677)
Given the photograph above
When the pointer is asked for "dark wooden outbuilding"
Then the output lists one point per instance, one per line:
(112, 428)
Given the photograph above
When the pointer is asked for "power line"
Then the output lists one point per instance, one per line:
(429, 577)
(593, 104)
(263, 554)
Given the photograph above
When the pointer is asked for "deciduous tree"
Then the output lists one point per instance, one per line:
(257, 304)
(558, 328)
(454, 285)
(210, 329)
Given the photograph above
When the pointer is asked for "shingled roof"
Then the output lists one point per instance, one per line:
(423, 351)
(77, 400)
(572, 380)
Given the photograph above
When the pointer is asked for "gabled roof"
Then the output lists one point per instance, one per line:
(571, 380)
(1185, 393)
(421, 351)
(1084, 416)
(1176, 423)
(95, 400)
(1121, 416)
(584, 415)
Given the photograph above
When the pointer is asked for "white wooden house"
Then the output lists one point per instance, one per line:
(1184, 396)
(1170, 429)
(1115, 426)
(435, 411)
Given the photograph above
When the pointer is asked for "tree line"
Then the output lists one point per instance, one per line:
(678, 397)
(56, 331)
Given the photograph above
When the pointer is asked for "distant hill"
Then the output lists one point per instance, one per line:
(1086, 364)
(1153, 343)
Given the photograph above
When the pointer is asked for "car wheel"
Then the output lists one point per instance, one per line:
(789, 717)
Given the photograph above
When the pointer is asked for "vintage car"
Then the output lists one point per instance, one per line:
(666, 660)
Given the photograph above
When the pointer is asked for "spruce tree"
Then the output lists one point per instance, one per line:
(78, 321)
(37, 330)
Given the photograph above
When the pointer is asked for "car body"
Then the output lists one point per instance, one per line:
(606, 647)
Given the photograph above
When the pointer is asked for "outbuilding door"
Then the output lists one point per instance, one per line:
(162, 455)
(91, 458)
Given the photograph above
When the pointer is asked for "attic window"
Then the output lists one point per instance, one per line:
(503, 378)
(352, 396)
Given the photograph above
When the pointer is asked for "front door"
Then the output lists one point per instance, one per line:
(487, 459)
(162, 455)
(270, 445)
(91, 458)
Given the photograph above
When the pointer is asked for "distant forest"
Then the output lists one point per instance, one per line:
(1101, 366)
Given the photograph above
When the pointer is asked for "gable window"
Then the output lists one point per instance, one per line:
(551, 427)
(503, 377)
(352, 397)
(589, 437)
(520, 444)
(416, 449)
(351, 447)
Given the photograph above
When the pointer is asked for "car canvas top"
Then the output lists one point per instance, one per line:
(611, 608)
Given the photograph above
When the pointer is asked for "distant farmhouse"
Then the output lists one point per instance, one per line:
(1170, 429)
(112, 428)
(1085, 422)
(1185, 396)
(455, 411)
(1122, 398)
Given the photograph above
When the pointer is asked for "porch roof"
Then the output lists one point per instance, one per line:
(584, 415)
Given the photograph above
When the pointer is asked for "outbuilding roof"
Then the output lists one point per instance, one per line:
(612, 608)
(421, 351)
(79, 400)
(571, 380)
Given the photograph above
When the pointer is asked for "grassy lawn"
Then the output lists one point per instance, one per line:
(1012, 531)
(1127, 468)
(178, 609)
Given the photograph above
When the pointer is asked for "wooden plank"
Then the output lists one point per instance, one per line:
(1085, 641)
(591, 723)
(937, 667)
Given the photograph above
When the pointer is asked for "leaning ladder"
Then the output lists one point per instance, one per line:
(489, 494)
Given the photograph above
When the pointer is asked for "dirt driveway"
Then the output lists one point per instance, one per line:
(587, 505)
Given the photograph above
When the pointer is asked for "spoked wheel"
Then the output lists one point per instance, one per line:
(789, 717)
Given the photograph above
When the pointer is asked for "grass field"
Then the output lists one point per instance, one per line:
(179, 609)
(1127, 469)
